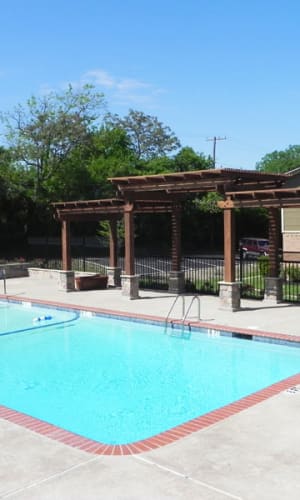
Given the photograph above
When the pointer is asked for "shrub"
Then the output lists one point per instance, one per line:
(190, 286)
(264, 265)
(293, 273)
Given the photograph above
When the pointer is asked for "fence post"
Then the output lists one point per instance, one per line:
(241, 263)
(83, 252)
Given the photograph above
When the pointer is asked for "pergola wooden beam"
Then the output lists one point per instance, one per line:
(199, 181)
(266, 198)
(229, 245)
(66, 246)
(236, 175)
(129, 239)
(113, 243)
(94, 210)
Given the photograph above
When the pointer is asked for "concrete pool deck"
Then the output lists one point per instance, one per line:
(253, 454)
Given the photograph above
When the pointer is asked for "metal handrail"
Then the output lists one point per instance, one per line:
(184, 314)
(172, 307)
(195, 297)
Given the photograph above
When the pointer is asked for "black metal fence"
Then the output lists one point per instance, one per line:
(80, 264)
(202, 274)
(153, 271)
(290, 273)
(251, 274)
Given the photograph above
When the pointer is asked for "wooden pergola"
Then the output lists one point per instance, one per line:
(272, 200)
(182, 185)
(164, 193)
(111, 209)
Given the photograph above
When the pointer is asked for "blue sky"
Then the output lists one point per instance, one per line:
(205, 68)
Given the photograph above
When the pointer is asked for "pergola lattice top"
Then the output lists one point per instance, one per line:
(266, 198)
(157, 193)
(83, 210)
(167, 186)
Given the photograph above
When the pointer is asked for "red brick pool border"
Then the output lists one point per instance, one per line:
(167, 437)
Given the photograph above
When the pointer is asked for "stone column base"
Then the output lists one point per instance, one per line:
(130, 286)
(114, 276)
(273, 290)
(176, 282)
(66, 281)
(230, 296)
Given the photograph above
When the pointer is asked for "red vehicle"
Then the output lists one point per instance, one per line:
(253, 247)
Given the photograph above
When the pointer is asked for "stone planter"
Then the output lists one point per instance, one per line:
(96, 281)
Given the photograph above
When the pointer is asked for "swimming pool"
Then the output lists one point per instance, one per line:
(118, 381)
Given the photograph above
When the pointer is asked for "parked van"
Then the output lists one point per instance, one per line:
(253, 247)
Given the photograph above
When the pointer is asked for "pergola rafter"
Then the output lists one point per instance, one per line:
(107, 208)
(266, 198)
(180, 185)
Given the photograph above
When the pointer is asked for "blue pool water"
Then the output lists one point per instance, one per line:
(118, 381)
(16, 318)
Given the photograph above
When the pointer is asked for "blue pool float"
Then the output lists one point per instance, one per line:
(42, 318)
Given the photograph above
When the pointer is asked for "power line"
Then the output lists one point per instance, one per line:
(215, 139)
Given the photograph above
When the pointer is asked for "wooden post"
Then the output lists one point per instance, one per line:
(229, 245)
(274, 235)
(113, 243)
(176, 238)
(66, 246)
(129, 239)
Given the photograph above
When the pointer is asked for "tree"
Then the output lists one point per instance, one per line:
(187, 159)
(110, 156)
(43, 134)
(14, 204)
(209, 203)
(149, 138)
(280, 161)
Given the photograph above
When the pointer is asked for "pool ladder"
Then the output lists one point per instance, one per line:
(185, 311)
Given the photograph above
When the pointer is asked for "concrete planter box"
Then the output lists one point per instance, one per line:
(97, 281)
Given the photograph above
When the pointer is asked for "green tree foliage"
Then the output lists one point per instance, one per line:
(187, 159)
(149, 138)
(60, 149)
(13, 182)
(209, 203)
(43, 134)
(5, 172)
(14, 204)
(280, 161)
(110, 156)
(163, 164)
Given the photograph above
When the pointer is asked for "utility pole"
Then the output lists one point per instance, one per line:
(215, 139)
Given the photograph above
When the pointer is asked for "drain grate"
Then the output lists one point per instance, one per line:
(293, 390)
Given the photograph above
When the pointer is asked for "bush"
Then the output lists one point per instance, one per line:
(293, 273)
(264, 265)
(190, 286)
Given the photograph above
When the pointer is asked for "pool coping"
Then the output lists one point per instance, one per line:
(174, 434)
